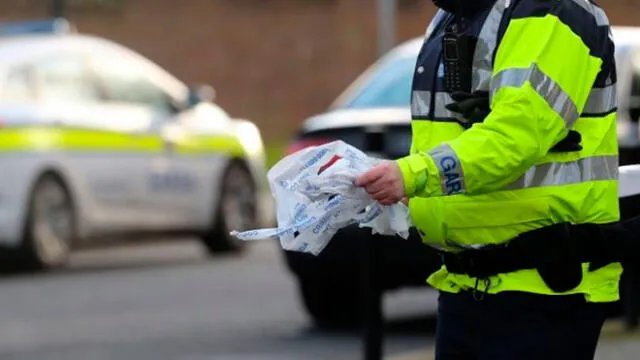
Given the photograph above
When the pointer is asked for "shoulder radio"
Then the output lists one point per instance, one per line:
(457, 56)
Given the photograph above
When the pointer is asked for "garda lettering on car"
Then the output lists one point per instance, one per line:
(108, 186)
(172, 181)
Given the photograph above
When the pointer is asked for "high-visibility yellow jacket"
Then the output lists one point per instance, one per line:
(549, 67)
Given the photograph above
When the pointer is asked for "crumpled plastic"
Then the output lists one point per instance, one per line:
(315, 196)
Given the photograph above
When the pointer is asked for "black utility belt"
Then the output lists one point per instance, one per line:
(557, 252)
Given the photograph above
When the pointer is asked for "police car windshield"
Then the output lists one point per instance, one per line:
(388, 86)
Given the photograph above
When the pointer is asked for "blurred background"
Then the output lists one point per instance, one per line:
(136, 134)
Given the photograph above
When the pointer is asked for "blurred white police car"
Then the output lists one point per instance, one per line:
(96, 140)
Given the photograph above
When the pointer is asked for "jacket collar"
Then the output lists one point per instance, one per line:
(463, 7)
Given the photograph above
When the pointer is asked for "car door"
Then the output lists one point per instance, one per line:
(167, 184)
(628, 96)
(91, 150)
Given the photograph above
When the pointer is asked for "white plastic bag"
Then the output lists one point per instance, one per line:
(315, 196)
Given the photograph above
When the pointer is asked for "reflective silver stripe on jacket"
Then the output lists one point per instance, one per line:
(586, 169)
(442, 99)
(546, 87)
(420, 105)
(486, 45)
(488, 40)
(601, 100)
(593, 168)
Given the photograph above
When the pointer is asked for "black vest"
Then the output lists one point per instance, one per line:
(428, 78)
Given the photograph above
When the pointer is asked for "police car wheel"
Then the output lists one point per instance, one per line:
(50, 226)
(237, 210)
(331, 305)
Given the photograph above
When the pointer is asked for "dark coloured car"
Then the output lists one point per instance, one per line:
(373, 115)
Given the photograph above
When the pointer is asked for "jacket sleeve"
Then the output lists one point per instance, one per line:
(543, 72)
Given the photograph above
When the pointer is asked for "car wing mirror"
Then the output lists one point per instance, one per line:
(201, 93)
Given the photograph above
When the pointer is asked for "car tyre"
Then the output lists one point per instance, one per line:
(236, 210)
(50, 227)
(331, 306)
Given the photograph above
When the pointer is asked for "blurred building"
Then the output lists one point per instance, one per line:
(272, 61)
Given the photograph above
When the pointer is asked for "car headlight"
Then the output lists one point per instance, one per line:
(250, 137)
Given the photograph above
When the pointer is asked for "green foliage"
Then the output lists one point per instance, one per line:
(274, 152)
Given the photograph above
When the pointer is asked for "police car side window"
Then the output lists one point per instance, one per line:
(18, 85)
(390, 86)
(124, 81)
(64, 78)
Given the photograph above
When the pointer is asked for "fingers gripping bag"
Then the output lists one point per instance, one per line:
(315, 196)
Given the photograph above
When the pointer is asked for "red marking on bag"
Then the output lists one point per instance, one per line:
(332, 161)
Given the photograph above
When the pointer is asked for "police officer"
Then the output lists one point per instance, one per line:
(514, 145)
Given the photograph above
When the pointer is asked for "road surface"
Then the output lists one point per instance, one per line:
(168, 301)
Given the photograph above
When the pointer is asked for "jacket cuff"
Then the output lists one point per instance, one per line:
(415, 171)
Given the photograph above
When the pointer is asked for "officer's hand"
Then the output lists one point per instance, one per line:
(384, 183)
